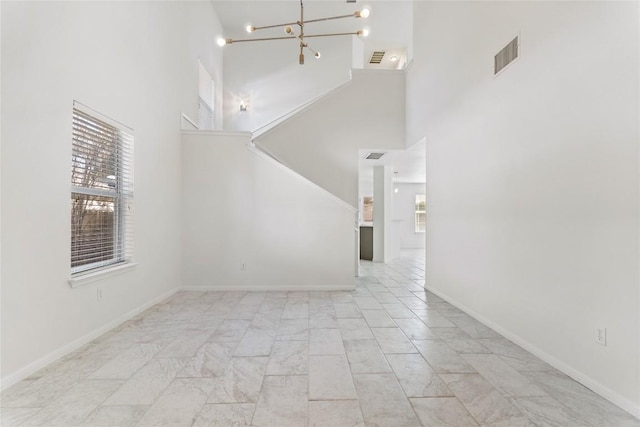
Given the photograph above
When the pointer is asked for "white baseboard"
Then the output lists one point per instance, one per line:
(267, 288)
(595, 386)
(35, 366)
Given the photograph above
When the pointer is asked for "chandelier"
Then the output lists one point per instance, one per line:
(288, 28)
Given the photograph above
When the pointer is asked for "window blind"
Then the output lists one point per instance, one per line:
(101, 192)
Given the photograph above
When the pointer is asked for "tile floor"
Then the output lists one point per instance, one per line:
(386, 354)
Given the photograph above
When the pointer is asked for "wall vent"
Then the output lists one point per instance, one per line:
(506, 56)
(376, 57)
(374, 156)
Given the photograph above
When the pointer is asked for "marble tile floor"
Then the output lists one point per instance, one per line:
(386, 354)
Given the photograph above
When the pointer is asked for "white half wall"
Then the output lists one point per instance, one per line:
(250, 223)
(322, 141)
(136, 62)
(533, 179)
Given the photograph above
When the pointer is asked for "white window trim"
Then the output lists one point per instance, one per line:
(102, 269)
(103, 273)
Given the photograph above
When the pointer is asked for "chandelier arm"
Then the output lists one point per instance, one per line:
(262, 39)
(275, 26)
(264, 27)
(355, 33)
(330, 18)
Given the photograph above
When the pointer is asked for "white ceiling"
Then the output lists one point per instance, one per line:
(390, 26)
(390, 22)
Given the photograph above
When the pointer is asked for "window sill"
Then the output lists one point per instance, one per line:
(83, 279)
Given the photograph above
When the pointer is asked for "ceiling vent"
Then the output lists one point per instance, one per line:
(506, 56)
(374, 156)
(352, 1)
(376, 57)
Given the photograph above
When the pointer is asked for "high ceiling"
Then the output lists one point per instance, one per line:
(389, 25)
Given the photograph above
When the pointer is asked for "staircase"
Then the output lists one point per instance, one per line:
(321, 140)
(276, 209)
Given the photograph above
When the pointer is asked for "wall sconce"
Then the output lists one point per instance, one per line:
(243, 106)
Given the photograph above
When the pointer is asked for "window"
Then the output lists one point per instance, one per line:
(101, 192)
(421, 213)
(367, 209)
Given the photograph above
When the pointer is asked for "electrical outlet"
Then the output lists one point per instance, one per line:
(601, 336)
(99, 294)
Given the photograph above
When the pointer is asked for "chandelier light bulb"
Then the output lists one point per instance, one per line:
(221, 42)
(317, 55)
(363, 33)
(364, 13)
(250, 28)
(288, 29)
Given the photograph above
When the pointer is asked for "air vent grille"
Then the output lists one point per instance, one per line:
(506, 56)
(376, 57)
(374, 156)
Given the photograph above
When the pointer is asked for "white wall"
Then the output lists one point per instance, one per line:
(242, 207)
(137, 63)
(532, 177)
(404, 213)
(322, 142)
(268, 77)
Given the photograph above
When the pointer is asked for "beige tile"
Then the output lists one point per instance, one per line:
(483, 401)
(398, 311)
(415, 329)
(365, 357)
(392, 340)
(296, 310)
(185, 345)
(441, 357)
(147, 384)
(225, 415)
(347, 310)
(547, 411)
(335, 413)
(255, 342)
(382, 401)
(13, 417)
(330, 378)
(293, 330)
(230, 330)
(283, 402)
(378, 319)
(502, 376)
(75, 405)
(289, 358)
(210, 360)
(240, 382)
(581, 400)
(442, 412)
(325, 341)
(179, 404)
(127, 362)
(367, 303)
(354, 329)
(416, 376)
(120, 416)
